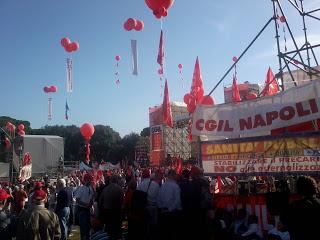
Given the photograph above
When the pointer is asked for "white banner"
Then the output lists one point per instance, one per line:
(69, 75)
(134, 52)
(293, 106)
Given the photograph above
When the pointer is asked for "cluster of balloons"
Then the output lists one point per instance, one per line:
(21, 129)
(11, 127)
(68, 45)
(132, 23)
(159, 7)
(51, 89)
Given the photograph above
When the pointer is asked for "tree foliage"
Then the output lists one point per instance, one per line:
(106, 144)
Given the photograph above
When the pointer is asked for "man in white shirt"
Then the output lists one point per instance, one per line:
(84, 200)
(169, 203)
(150, 187)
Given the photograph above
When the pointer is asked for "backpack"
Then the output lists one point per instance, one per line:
(140, 199)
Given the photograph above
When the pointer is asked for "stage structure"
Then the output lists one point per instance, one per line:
(302, 57)
(165, 140)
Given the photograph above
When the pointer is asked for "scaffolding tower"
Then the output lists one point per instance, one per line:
(302, 57)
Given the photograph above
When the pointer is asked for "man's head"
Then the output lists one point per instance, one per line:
(61, 183)
(39, 197)
(306, 186)
(171, 174)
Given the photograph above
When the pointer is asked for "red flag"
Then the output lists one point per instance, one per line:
(271, 86)
(197, 85)
(235, 91)
(218, 185)
(166, 107)
(160, 58)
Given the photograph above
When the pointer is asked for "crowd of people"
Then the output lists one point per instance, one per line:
(143, 204)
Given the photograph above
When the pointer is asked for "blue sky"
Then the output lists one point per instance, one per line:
(31, 56)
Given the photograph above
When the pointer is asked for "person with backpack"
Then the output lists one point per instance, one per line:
(151, 188)
(169, 203)
(143, 209)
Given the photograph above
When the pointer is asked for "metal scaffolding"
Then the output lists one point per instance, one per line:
(295, 57)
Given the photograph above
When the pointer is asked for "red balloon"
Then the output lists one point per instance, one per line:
(53, 89)
(127, 27)
(157, 14)
(157, 4)
(8, 143)
(251, 96)
(207, 100)
(46, 89)
(87, 130)
(10, 126)
(165, 13)
(160, 71)
(21, 133)
(191, 108)
(234, 59)
(186, 98)
(65, 41)
(74, 46)
(282, 19)
(69, 48)
(139, 25)
(21, 127)
(180, 66)
(132, 23)
(118, 58)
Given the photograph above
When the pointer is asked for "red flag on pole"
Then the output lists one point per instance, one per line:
(160, 58)
(271, 86)
(235, 91)
(166, 107)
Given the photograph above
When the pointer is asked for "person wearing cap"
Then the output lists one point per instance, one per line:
(36, 186)
(5, 217)
(84, 196)
(38, 223)
(20, 197)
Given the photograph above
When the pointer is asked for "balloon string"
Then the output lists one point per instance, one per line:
(161, 23)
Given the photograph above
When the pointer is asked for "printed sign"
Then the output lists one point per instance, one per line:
(263, 155)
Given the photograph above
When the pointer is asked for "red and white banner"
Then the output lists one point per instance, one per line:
(293, 106)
